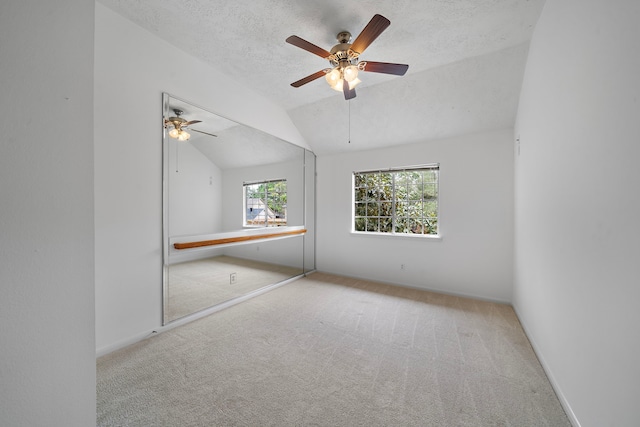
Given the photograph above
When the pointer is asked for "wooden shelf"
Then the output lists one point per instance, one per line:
(200, 243)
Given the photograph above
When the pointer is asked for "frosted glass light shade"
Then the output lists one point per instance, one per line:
(183, 135)
(333, 77)
(350, 73)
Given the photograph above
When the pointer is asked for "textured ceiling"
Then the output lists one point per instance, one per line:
(230, 145)
(466, 59)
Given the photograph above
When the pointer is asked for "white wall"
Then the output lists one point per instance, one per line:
(132, 69)
(474, 256)
(195, 191)
(578, 206)
(47, 354)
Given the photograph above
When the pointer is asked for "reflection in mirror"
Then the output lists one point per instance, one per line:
(238, 210)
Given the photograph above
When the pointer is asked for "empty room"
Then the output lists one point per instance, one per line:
(320, 213)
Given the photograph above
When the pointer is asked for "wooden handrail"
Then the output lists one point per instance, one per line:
(189, 245)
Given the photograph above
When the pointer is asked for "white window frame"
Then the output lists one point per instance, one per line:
(360, 219)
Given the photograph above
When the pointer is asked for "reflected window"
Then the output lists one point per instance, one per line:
(265, 203)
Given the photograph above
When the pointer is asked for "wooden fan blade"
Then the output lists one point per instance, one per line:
(310, 78)
(374, 28)
(309, 47)
(348, 93)
(206, 133)
(191, 122)
(383, 67)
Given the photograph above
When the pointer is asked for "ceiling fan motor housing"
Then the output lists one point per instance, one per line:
(177, 121)
(341, 54)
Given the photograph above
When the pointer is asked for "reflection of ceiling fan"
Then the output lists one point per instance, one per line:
(179, 124)
(343, 76)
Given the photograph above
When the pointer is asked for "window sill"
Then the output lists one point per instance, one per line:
(399, 235)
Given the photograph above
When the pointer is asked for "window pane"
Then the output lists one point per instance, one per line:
(431, 208)
(415, 226)
(386, 192)
(266, 203)
(414, 209)
(359, 224)
(253, 191)
(430, 176)
(401, 179)
(372, 224)
(386, 208)
(401, 209)
(431, 225)
(386, 224)
(402, 225)
(386, 177)
(372, 209)
(414, 192)
(430, 191)
(360, 194)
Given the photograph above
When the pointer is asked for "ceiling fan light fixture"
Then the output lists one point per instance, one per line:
(183, 135)
(179, 134)
(335, 77)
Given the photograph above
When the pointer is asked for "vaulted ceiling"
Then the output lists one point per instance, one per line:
(466, 61)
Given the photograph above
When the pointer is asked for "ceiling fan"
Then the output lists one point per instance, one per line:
(344, 58)
(179, 124)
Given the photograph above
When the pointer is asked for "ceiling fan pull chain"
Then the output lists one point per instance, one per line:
(177, 159)
(349, 102)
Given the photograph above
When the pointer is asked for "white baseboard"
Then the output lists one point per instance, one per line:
(421, 288)
(123, 343)
(547, 369)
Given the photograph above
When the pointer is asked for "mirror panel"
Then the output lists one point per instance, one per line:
(238, 209)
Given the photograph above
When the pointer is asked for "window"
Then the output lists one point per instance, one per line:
(265, 203)
(397, 201)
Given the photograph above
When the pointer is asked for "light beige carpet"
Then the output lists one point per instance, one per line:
(196, 285)
(330, 351)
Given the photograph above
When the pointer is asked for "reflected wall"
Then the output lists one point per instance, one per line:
(205, 204)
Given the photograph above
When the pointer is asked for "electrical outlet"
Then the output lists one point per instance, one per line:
(233, 278)
(401, 266)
